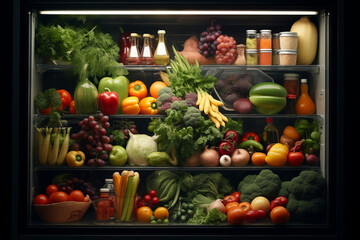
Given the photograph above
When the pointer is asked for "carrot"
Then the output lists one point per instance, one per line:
(124, 180)
(117, 188)
(64, 148)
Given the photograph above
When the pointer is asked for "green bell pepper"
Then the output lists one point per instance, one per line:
(120, 85)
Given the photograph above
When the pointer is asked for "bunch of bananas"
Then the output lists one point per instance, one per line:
(210, 106)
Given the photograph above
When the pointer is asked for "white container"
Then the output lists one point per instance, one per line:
(288, 40)
(287, 57)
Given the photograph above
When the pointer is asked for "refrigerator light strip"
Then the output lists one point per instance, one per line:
(163, 12)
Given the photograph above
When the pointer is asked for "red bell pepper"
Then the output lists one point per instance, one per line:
(250, 136)
(108, 102)
(65, 99)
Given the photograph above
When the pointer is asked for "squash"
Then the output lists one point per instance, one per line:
(307, 40)
(191, 52)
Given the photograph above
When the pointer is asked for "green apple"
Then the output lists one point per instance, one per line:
(118, 156)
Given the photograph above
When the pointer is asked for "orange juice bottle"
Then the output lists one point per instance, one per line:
(305, 105)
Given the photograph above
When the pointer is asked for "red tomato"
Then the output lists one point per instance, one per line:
(235, 215)
(72, 108)
(76, 195)
(65, 98)
(295, 158)
(41, 199)
(58, 197)
(51, 189)
(279, 215)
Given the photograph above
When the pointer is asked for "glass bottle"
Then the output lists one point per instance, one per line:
(161, 55)
(124, 47)
(110, 185)
(290, 104)
(133, 56)
(270, 133)
(147, 57)
(305, 105)
(103, 205)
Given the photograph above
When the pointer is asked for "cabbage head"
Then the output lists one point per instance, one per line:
(139, 147)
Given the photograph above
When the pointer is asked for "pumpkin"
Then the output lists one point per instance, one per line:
(307, 40)
(191, 52)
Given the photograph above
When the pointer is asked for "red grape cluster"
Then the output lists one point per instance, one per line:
(93, 137)
(78, 184)
(208, 43)
(226, 50)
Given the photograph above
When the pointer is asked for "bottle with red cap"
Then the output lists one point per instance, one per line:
(270, 133)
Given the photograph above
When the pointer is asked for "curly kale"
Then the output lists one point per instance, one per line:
(266, 184)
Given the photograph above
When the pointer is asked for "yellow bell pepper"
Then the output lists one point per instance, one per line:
(130, 105)
(277, 155)
(148, 106)
(75, 158)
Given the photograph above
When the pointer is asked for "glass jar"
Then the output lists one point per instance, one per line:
(109, 183)
(265, 39)
(251, 57)
(147, 57)
(288, 40)
(291, 83)
(275, 41)
(133, 56)
(265, 56)
(275, 57)
(251, 40)
(102, 205)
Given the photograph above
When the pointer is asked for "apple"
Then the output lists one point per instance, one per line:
(295, 158)
(118, 156)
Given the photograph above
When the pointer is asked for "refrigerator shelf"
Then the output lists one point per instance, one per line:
(171, 168)
(315, 69)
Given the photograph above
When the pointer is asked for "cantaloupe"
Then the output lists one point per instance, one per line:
(308, 40)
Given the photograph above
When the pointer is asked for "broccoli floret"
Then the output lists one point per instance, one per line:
(177, 105)
(265, 184)
(308, 185)
(284, 189)
(192, 117)
(166, 90)
(163, 98)
(313, 210)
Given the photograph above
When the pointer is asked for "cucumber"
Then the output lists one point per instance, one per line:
(268, 89)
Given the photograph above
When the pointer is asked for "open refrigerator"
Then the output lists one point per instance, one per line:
(180, 23)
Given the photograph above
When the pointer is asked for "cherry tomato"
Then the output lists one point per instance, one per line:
(76, 195)
(41, 199)
(155, 200)
(51, 189)
(236, 215)
(147, 198)
(152, 193)
(58, 197)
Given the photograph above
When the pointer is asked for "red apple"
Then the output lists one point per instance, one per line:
(295, 158)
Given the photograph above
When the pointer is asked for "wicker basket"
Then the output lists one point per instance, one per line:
(62, 212)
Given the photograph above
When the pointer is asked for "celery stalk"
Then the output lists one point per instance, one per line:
(135, 183)
(129, 187)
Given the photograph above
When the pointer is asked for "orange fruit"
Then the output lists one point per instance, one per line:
(161, 213)
(291, 132)
(258, 158)
(155, 87)
(144, 214)
(279, 215)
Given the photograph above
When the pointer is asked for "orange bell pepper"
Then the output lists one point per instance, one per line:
(148, 106)
(130, 106)
(138, 89)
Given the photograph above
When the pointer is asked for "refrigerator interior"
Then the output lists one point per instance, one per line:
(178, 28)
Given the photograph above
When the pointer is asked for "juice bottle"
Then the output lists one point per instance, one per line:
(161, 55)
(305, 105)
(270, 133)
(147, 57)
(133, 56)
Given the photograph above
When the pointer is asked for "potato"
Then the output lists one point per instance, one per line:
(242, 105)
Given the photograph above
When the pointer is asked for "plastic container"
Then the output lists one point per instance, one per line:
(251, 57)
(288, 40)
(251, 40)
(265, 57)
(234, 83)
(287, 57)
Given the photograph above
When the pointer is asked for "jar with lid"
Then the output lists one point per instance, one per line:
(161, 55)
(275, 57)
(265, 57)
(275, 41)
(288, 40)
(287, 57)
(251, 40)
(147, 57)
(102, 205)
(133, 56)
(251, 57)
(265, 39)
(109, 183)
(290, 104)
(291, 83)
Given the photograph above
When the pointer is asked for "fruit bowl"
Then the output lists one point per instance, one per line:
(62, 212)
